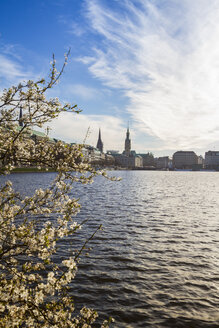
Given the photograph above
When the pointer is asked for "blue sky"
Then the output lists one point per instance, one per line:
(152, 63)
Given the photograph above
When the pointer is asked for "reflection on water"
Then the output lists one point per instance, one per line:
(155, 264)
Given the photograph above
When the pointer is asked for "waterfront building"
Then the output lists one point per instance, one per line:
(211, 159)
(112, 152)
(100, 143)
(148, 160)
(93, 155)
(185, 159)
(130, 162)
(37, 136)
(109, 160)
(164, 162)
(137, 161)
(201, 161)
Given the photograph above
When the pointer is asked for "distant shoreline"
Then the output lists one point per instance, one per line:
(31, 170)
(36, 170)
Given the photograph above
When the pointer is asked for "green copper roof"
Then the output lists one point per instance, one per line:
(38, 133)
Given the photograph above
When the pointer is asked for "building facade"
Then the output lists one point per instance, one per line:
(129, 162)
(148, 160)
(184, 159)
(211, 160)
(164, 163)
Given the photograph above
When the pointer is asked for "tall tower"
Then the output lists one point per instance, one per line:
(100, 143)
(20, 117)
(127, 143)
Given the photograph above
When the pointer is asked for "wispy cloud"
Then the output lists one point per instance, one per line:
(19, 63)
(165, 57)
(11, 70)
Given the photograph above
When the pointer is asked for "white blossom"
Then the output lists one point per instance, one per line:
(32, 285)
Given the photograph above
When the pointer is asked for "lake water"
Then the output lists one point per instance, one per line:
(156, 263)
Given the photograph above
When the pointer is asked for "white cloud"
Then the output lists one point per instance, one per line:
(11, 70)
(165, 56)
(71, 127)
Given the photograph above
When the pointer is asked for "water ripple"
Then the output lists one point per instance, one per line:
(155, 264)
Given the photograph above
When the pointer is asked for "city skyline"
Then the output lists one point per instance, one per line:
(127, 149)
(153, 63)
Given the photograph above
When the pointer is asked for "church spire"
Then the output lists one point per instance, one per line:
(127, 143)
(20, 117)
(100, 143)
